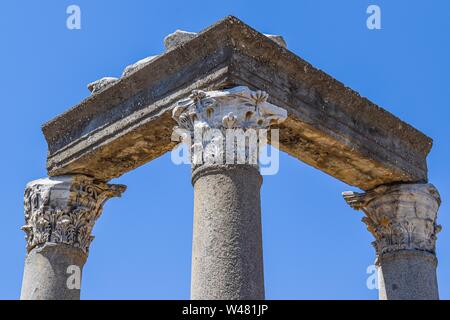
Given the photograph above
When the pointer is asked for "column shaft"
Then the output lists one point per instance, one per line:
(47, 272)
(408, 275)
(227, 259)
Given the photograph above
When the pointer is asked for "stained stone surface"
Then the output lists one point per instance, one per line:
(329, 126)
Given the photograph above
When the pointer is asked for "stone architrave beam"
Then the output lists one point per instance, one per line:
(127, 122)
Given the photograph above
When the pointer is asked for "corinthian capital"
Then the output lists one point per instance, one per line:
(238, 107)
(226, 125)
(400, 217)
(64, 209)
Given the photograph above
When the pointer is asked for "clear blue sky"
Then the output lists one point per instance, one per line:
(314, 245)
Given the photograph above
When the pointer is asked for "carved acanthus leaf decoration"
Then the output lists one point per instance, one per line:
(64, 210)
(238, 107)
(211, 118)
(400, 217)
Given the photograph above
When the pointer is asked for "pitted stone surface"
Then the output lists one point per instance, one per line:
(408, 275)
(227, 261)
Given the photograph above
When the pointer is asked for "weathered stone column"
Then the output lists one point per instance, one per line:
(402, 219)
(60, 213)
(227, 258)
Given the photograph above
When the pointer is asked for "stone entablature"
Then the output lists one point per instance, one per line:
(64, 209)
(400, 217)
(128, 122)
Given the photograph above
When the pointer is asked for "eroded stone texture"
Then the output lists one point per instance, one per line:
(402, 218)
(177, 38)
(64, 210)
(60, 213)
(278, 39)
(138, 65)
(329, 126)
(101, 84)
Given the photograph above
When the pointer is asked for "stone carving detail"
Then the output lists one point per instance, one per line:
(64, 210)
(400, 217)
(213, 119)
(238, 107)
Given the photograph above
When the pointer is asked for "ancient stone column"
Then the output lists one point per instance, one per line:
(402, 218)
(60, 213)
(226, 128)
